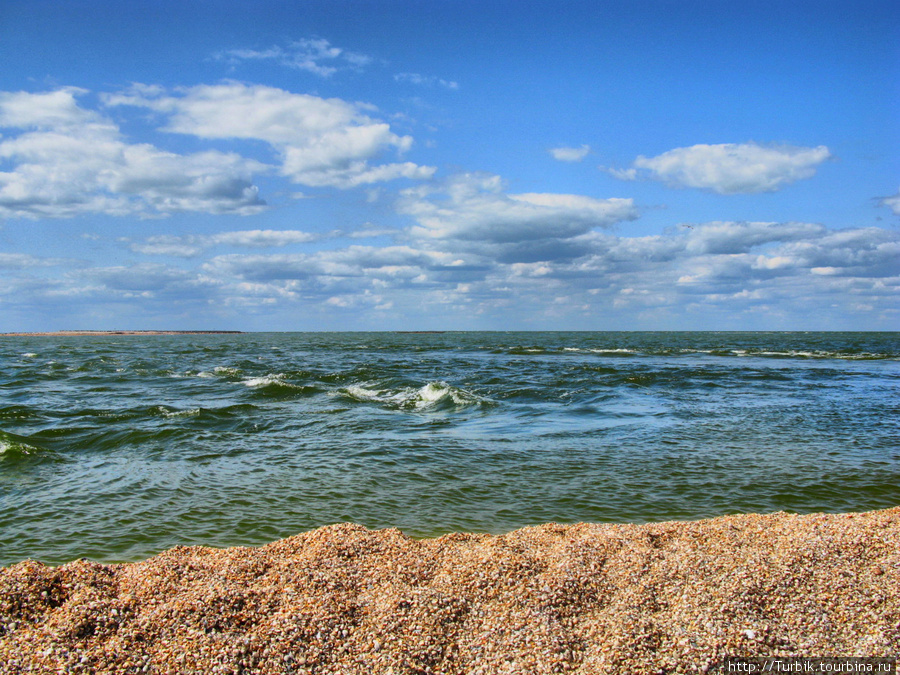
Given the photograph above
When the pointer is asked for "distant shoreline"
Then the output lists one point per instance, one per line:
(57, 333)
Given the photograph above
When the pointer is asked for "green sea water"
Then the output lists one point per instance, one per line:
(114, 448)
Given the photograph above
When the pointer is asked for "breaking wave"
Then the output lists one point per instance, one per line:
(432, 396)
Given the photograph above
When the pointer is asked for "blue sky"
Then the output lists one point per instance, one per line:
(329, 165)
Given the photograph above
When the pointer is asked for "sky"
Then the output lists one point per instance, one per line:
(450, 165)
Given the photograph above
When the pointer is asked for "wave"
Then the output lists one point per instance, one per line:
(13, 446)
(266, 381)
(724, 352)
(817, 354)
(226, 372)
(274, 385)
(431, 396)
(165, 411)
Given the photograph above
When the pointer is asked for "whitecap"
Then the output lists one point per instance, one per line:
(190, 412)
(425, 397)
(12, 445)
(265, 381)
(270, 380)
(363, 393)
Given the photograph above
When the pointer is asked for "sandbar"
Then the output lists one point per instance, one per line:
(101, 333)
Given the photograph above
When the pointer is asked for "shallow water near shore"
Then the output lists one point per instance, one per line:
(117, 447)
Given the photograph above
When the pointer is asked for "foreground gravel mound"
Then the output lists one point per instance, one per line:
(662, 597)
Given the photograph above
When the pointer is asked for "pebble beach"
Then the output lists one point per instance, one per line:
(674, 597)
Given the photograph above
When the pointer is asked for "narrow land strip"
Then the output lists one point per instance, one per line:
(66, 333)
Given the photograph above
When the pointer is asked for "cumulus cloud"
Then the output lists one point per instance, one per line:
(68, 161)
(322, 142)
(425, 80)
(564, 154)
(728, 168)
(733, 238)
(48, 110)
(474, 207)
(314, 55)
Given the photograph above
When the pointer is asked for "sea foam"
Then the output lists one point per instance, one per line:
(429, 396)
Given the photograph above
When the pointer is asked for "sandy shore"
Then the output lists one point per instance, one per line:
(657, 598)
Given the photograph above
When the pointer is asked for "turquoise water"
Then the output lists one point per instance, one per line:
(114, 448)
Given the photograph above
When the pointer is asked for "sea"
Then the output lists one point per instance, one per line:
(114, 448)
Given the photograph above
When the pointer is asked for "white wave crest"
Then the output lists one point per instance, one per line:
(165, 412)
(12, 446)
(422, 398)
(266, 380)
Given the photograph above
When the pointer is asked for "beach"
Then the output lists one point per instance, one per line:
(671, 597)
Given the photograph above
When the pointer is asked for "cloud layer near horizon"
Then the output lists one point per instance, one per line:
(461, 245)
(706, 271)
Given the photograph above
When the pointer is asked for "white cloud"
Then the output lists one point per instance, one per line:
(425, 80)
(351, 268)
(729, 168)
(190, 246)
(262, 238)
(474, 207)
(169, 245)
(48, 110)
(322, 142)
(371, 232)
(72, 161)
(564, 154)
(137, 277)
(893, 203)
(622, 174)
(731, 237)
(22, 261)
(314, 55)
